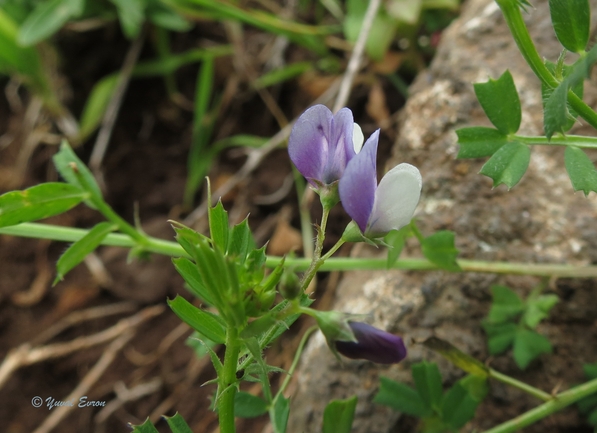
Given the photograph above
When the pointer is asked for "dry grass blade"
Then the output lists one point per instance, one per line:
(26, 355)
(88, 381)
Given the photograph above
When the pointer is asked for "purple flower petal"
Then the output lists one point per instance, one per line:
(359, 182)
(320, 144)
(309, 142)
(396, 198)
(341, 148)
(372, 344)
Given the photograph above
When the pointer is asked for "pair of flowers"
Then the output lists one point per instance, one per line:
(328, 150)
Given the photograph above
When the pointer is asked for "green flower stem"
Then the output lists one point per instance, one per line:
(555, 404)
(304, 213)
(227, 381)
(513, 16)
(559, 140)
(416, 231)
(170, 248)
(535, 392)
(316, 261)
(295, 361)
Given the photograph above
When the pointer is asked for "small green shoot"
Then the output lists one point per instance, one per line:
(511, 322)
(439, 411)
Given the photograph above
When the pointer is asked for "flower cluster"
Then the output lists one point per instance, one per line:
(328, 150)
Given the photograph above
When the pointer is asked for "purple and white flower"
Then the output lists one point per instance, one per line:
(321, 144)
(372, 344)
(378, 209)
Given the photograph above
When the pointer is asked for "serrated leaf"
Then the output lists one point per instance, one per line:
(279, 414)
(177, 424)
(479, 141)
(560, 71)
(46, 19)
(581, 170)
(189, 272)
(146, 427)
(500, 336)
(203, 322)
(528, 345)
(66, 161)
(500, 102)
(339, 415)
(538, 309)
(458, 406)
(571, 19)
(428, 382)
(38, 202)
(240, 241)
(506, 305)
(77, 252)
(395, 240)
(457, 357)
(248, 405)
(556, 116)
(218, 225)
(439, 249)
(508, 164)
(401, 398)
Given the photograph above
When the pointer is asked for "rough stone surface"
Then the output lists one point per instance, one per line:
(539, 221)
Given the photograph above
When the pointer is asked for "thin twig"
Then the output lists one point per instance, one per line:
(105, 132)
(26, 355)
(81, 316)
(357, 54)
(90, 378)
(125, 395)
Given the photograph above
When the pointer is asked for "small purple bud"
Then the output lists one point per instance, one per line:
(321, 144)
(372, 344)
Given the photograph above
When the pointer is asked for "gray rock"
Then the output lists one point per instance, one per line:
(540, 220)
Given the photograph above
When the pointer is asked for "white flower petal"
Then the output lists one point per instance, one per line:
(396, 198)
(357, 138)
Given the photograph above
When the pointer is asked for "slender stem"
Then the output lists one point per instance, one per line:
(513, 16)
(297, 357)
(332, 250)
(316, 261)
(559, 140)
(169, 248)
(71, 234)
(535, 392)
(416, 231)
(226, 382)
(555, 404)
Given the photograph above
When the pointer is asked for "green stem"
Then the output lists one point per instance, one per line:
(295, 361)
(71, 234)
(535, 392)
(555, 404)
(316, 261)
(513, 16)
(227, 383)
(169, 248)
(416, 231)
(559, 140)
